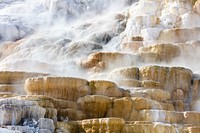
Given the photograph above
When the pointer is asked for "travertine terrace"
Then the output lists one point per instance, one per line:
(89, 66)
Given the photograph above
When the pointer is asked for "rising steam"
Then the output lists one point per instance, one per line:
(52, 36)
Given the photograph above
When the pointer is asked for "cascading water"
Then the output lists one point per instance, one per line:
(13, 122)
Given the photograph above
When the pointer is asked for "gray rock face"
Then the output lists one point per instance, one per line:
(45, 131)
(16, 101)
(21, 129)
(45, 123)
(10, 114)
(29, 109)
(30, 122)
(101, 37)
(13, 114)
(35, 112)
(80, 48)
(31, 125)
(3, 130)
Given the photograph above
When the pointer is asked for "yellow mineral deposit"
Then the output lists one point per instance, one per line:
(197, 5)
(106, 88)
(66, 88)
(179, 35)
(94, 106)
(163, 52)
(125, 73)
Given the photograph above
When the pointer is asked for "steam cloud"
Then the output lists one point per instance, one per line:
(56, 34)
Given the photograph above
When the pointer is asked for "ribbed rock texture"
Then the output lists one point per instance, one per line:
(100, 61)
(58, 87)
(159, 52)
(100, 66)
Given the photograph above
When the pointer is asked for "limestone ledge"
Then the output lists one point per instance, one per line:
(17, 77)
(159, 52)
(100, 105)
(66, 88)
(170, 78)
(120, 126)
(90, 106)
(179, 35)
(100, 61)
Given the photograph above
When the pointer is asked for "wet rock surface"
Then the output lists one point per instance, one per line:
(107, 60)
(62, 104)
(122, 70)
(58, 87)
(160, 52)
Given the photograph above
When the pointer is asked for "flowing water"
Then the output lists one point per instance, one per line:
(52, 29)
(57, 33)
